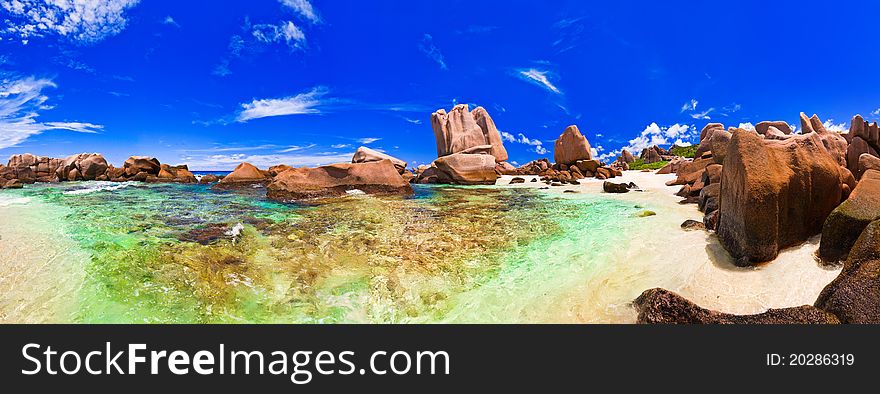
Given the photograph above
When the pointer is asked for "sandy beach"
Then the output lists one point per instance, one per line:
(691, 263)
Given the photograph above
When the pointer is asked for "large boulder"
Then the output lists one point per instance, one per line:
(178, 174)
(870, 133)
(651, 155)
(713, 138)
(83, 166)
(833, 142)
(366, 155)
(244, 175)
(138, 164)
(775, 194)
(854, 296)
(626, 156)
(466, 169)
(571, 146)
(461, 129)
(844, 225)
(856, 148)
(374, 177)
(867, 162)
(763, 127)
(660, 306)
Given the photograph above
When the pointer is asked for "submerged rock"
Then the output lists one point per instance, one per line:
(209, 178)
(660, 306)
(377, 177)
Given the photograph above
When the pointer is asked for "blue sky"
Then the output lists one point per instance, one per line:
(306, 82)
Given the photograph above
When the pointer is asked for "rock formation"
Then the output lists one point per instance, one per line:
(177, 174)
(467, 169)
(375, 177)
(763, 127)
(571, 146)
(244, 175)
(844, 225)
(854, 296)
(366, 155)
(460, 130)
(833, 142)
(775, 194)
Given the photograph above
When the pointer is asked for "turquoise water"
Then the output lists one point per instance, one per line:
(187, 254)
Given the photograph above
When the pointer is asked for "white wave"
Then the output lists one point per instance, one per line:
(235, 232)
(98, 187)
(6, 201)
(355, 192)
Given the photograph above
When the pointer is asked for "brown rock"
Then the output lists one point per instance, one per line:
(856, 148)
(714, 139)
(459, 130)
(208, 179)
(854, 296)
(279, 168)
(691, 225)
(585, 166)
(713, 173)
(651, 155)
(244, 175)
(775, 134)
(844, 225)
(708, 128)
(466, 169)
(571, 146)
(776, 194)
(834, 143)
(366, 155)
(867, 162)
(659, 306)
(505, 168)
(375, 177)
(136, 164)
(611, 187)
(13, 184)
(517, 180)
(763, 127)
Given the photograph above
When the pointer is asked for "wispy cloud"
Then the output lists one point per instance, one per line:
(876, 112)
(303, 8)
(83, 21)
(340, 146)
(229, 161)
(297, 148)
(691, 109)
(21, 100)
(301, 104)
(520, 138)
(218, 149)
(169, 20)
(413, 121)
(431, 51)
(286, 32)
(368, 140)
(538, 77)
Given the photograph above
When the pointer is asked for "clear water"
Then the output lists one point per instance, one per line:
(186, 254)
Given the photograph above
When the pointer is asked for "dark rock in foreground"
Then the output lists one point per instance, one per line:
(854, 296)
(659, 306)
(846, 222)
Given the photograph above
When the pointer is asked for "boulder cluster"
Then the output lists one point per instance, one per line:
(766, 189)
(27, 168)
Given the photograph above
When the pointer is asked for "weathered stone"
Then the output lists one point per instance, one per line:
(844, 225)
(775, 194)
(136, 164)
(459, 130)
(366, 155)
(659, 306)
(467, 169)
(763, 127)
(611, 187)
(375, 177)
(854, 296)
(244, 175)
(571, 146)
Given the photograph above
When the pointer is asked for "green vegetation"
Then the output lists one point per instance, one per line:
(684, 151)
(640, 164)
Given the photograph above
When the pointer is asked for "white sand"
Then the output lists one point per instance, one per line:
(40, 268)
(691, 263)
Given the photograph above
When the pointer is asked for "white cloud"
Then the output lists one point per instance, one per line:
(653, 134)
(286, 32)
(368, 140)
(540, 78)
(340, 146)
(228, 162)
(21, 100)
(304, 8)
(691, 106)
(522, 139)
(170, 21)
(429, 49)
(747, 126)
(876, 112)
(839, 128)
(79, 20)
(413, 121)
(301, 104)
(702, 115)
